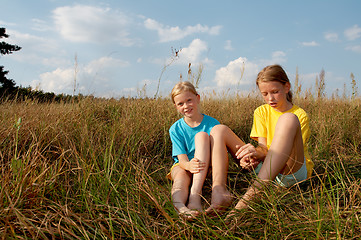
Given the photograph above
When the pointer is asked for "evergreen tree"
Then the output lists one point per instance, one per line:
(5, 82)
(5, 48)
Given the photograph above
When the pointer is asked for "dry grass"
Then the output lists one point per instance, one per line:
(96, 170)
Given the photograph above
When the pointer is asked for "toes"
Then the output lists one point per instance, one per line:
(189, 215)
(215, 210)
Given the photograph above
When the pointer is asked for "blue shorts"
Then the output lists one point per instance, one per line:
(289, 180)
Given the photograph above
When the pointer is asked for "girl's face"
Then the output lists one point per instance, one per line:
(275, 94)
(186, 103)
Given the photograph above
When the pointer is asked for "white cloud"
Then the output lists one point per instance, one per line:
(277, 57)
(228, 45)
(356, 48)
(331, 36)
(307, 80)
(231, 75)
(59, 80)
(310, 44)
(4, 24)
(36, 49)
(82, 23)
(193, 53)
(105, 63)
(31, 43)
(167, 33)
(353, 33)
(40, 25)
(333, 82)
(97, 75)
(278, 54)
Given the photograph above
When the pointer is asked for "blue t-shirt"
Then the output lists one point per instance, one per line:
(182, 136)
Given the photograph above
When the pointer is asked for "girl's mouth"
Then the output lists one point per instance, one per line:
(273, 104)
(188, 111)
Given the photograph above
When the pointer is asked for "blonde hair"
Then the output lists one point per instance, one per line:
(183, 87)
(274, 73)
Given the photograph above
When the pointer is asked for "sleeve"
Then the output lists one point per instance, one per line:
(214, 122)
(178, 143)
(208, 123)
(258, 127)
(305, 127)
(211, 121)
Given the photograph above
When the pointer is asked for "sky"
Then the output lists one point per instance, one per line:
(142, 48)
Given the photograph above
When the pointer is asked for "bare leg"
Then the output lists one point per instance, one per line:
(285, 156)
(180, 190)
(202, 153)
(222, 139)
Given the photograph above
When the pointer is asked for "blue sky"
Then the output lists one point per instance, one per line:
(122, 46)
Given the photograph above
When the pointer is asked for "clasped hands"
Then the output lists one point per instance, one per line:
(248, 156)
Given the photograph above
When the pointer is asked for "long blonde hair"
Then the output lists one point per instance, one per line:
(274, 73)
(183, 87)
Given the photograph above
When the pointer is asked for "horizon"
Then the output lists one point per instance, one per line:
(118, 49)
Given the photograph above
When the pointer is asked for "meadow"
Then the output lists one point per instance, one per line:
(95, 169)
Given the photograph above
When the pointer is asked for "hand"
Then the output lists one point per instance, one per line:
(195, 165)
(248, 155)
(247, 150)
(249, 163)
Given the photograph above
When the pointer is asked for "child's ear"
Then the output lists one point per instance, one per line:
(198, 98)
(287, 87)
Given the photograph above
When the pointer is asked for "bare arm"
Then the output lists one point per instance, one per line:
(262, 148)
(193, 166)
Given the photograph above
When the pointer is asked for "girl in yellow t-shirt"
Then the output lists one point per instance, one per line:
(282, 132)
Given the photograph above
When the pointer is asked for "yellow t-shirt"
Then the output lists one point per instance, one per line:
(264, 125)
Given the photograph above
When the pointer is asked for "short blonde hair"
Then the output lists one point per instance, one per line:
(183, 87)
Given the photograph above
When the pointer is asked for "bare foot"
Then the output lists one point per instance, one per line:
(221, 200)
(247, 197)
(241, 205)
(235, 217)
(188, 214)
(194, 202)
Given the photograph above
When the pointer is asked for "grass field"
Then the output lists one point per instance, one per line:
(96, 169)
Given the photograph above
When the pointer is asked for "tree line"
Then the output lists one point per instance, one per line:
(8, 88)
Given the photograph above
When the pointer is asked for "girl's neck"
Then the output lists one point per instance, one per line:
(195, 120)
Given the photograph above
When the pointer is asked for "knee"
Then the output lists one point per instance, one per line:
(202, 136)
(219, 130)
(288, 120)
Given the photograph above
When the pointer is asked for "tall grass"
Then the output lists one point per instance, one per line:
(96, 170)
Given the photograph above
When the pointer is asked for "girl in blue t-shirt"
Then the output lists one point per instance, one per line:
(190, 150)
